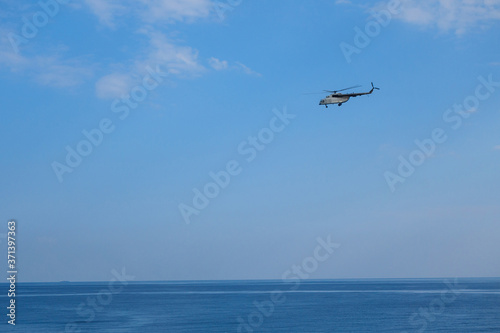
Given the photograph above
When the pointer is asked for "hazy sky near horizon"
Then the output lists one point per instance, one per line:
(99, 181)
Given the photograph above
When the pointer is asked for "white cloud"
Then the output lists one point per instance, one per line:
(48, 66)
(217, 64)
(458, 16)
(10, 59)
(496, 147)
(150, 16)
(106, 10)
(220, 65)
(247, 70)
(8, 56)
(176, 60)
(47, 70)
(62, 74)
(178, 10)
(150, 10)
(171, 56)
(114, 85)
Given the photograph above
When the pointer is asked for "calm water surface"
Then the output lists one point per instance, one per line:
(430, 305)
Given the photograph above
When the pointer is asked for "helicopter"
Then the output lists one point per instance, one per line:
(337, 98)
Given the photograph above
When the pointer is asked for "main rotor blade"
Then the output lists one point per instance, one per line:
(334, 91)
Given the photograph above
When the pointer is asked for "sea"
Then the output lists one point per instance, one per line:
(368, 305)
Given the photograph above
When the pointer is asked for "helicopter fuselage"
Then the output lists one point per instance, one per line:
(334, 99)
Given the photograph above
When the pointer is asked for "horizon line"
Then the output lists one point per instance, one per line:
(263, 280)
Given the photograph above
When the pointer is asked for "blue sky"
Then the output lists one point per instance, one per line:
(223, 72)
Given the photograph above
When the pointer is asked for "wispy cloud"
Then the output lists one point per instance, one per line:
(9, 58)
(147, 17)
(107, 10)
(166, 11)
(343, 2)
(49, 69)
(52, 71)
(217, 64)
(220, 65)
(47, 65)
(114, 85)
(496, 147)
(176, 10)
(151, 16)
(176, 60)
(458, 16)
(247, 70)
